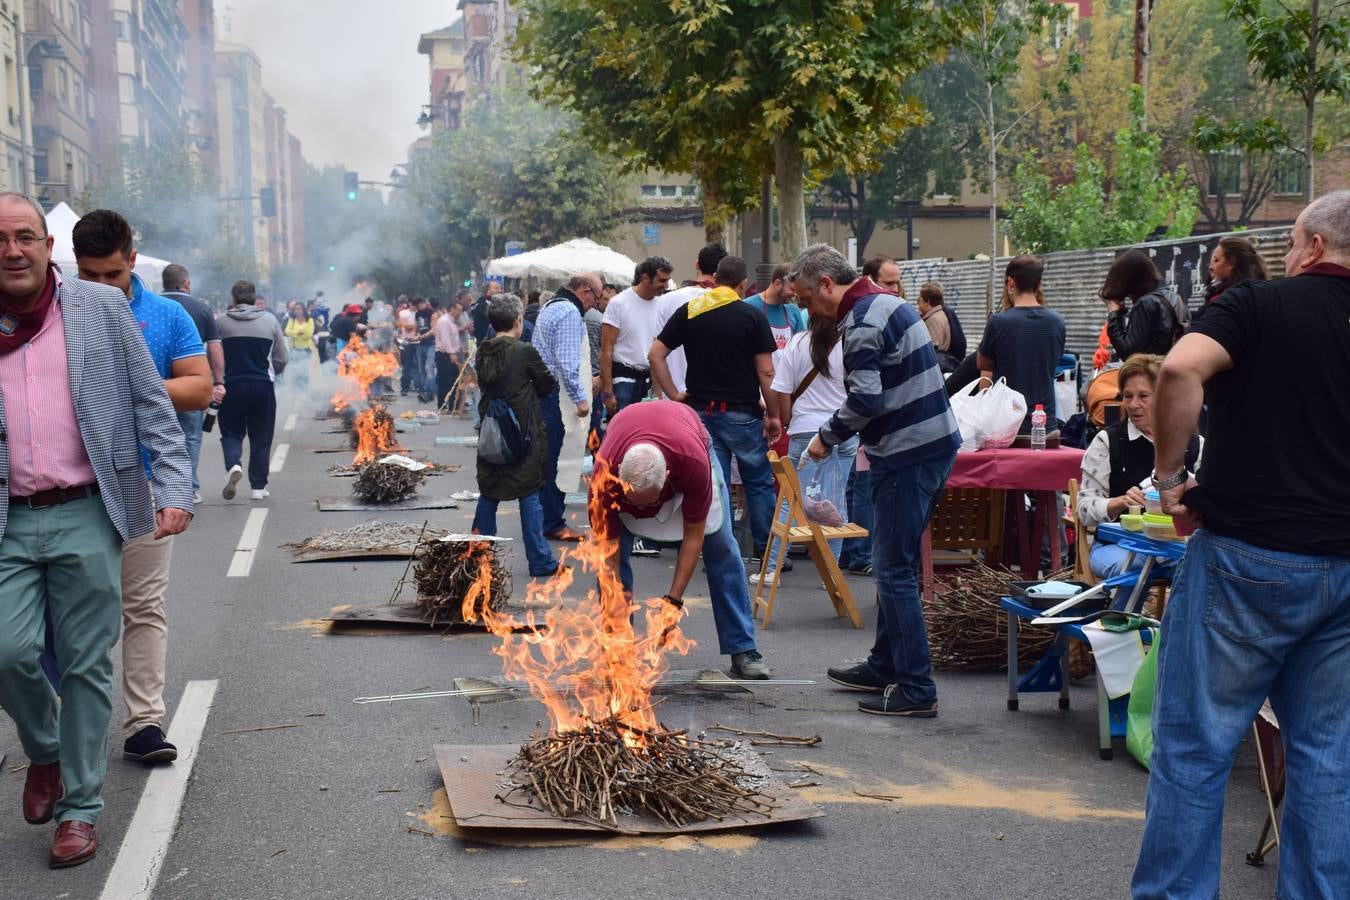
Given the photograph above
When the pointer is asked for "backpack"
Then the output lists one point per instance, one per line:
(1177, 311)
(501, 440)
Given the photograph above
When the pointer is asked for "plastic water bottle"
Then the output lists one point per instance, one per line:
(1038, 428)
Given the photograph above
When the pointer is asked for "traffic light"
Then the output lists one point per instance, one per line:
(332, 268)
(468, 282)
(267, 199)
(351, 184)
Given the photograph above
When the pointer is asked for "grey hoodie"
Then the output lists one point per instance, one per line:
(254, 345)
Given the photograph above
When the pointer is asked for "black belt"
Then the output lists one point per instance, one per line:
(622, 371)
(55, 496)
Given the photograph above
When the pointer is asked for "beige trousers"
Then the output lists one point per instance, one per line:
(145, 632)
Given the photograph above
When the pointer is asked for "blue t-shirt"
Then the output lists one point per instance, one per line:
(785, 319)
(169, 333)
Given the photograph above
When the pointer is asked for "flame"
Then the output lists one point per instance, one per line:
(374, 433)
(583, 659)
(359, 367)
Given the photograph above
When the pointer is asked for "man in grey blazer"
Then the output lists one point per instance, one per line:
(79, 397)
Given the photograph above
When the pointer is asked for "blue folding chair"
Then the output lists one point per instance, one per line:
(1051, 674)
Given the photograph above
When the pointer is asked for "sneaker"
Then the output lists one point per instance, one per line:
(260, 494)
(749, 665)
(149, 746)
(755, 579)
(865, 570)
(641, 549)
(858, 678)
(231, 481)
(196, 497)
(893, 702)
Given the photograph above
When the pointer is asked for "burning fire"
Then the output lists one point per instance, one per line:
(585, 661)
(359, 367)
(374, 434)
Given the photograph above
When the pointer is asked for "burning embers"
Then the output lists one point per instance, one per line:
(372, 435)
(605, 752)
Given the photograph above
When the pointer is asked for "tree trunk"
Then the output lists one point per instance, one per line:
(864, 225)
(1143, 11)
(714, 212)
(993, 198)
(788, 182)
(1310, 97)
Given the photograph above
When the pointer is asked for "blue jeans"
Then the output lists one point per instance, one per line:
(626, 392)
(1244, 624)
(1107, 560)
(191, 423)
(550, 498)
(426, 367)
(537, 551)
(857, 552)
(741, 434)
(906, 494)
(727, 586)
(797, 444)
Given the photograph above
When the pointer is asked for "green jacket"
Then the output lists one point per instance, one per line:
(511, 369)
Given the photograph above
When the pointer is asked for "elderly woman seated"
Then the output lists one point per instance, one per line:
(1118, 464)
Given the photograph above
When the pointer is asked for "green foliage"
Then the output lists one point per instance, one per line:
(1100, 207)
(731, 80)
(166, 195)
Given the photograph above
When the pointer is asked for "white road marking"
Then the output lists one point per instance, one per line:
(290, 423)
(279, 457)
(242, 562)
(141, 856)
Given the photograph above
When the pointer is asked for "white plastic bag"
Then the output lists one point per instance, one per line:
(824, 488)
(989, 419)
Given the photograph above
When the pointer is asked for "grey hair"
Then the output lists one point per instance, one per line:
(24, 198)
(823, 260)
(643, 467)
(1329, 216)
(503, 311)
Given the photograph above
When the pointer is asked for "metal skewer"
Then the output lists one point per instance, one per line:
(478, 692)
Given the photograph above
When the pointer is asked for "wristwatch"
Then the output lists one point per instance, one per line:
(1172, 481)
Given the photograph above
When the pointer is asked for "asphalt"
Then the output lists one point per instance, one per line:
(980, 802)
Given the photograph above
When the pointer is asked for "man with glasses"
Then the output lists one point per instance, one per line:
(560, 337)
(80, 396)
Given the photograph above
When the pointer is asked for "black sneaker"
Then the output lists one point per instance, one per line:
(859, 678)
(892, 702)
(148, 746)
(640, 548)
(865, 570)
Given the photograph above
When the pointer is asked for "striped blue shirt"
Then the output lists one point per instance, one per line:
(558, 333)
(896, 399)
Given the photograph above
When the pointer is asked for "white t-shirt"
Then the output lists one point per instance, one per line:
(824, 395)
(636, 320)
(669, 303)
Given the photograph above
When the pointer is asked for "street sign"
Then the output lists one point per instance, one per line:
(514, 248)
(651, 234)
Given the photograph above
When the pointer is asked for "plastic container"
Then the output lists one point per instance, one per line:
(1132, 523)
(1153, 502)
(1160, 528)
(1038, 427)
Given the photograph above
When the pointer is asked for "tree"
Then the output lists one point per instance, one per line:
(1102, 206)
(164, 193)
(992, 50)
(738, 88)
(1301, 50)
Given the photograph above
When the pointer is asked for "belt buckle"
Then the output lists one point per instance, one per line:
(28, 501)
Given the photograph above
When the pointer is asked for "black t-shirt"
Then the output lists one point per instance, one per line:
(1025, 343)
(1276, 471)
(424, 320)
(720, 346)
(343, 327)
(200, 313)
(482, 328)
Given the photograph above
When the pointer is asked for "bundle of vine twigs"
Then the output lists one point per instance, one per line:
(370, 536)
(381, 420)
(378, 482)
(445, 571)
(966, 628)
(348, 417)
(595, 774)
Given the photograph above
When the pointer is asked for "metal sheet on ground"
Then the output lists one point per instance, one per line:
(676, 681)
(439, 470)
(400, 616)
(349, 504)
(364, 553)
(350, 450)
(472, 786)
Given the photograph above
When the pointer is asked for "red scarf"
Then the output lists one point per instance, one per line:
(18, 328)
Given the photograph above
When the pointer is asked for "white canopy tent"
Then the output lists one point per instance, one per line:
(61, 222)
(562, 261)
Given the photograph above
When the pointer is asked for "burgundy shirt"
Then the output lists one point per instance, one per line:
(678, 432)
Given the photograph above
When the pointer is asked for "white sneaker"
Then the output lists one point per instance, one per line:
(754, 580)
(231, 480)
(261, 494)
(196, 497)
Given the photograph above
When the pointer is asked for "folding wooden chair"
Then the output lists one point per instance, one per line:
(1081, 548)
(787, 532)
(965, 521)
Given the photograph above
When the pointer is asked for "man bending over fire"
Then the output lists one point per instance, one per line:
(656, 478)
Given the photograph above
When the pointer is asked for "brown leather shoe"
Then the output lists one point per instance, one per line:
(41, 790)
(75, 843)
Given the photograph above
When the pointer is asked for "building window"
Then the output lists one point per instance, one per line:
(1290, 169)
(1225, 173)
(64, 82)
(649, 191)
(40, 165)
(669, 190)
(689, 191)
